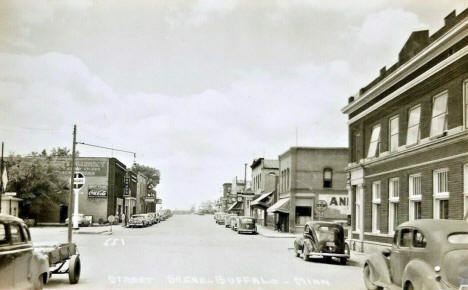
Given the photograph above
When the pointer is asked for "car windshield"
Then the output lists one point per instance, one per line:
(460, 238)
(247, 220)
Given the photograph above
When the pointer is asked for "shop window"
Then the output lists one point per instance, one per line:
(327, 177)
(357, 207)
(439, 115)
(374, 142)
(394, 130)
(414, 118)
(303, 214)
(465, 189)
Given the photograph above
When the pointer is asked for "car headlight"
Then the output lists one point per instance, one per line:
(437, 269)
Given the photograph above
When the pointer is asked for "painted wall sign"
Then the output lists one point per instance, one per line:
(97, 191)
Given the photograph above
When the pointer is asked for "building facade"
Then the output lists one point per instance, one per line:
(264, 182)
(309, 176)
(408, 137)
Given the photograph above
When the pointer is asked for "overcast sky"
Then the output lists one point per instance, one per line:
(196, 88)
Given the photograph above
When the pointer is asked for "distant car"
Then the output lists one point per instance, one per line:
(425, 254)
(21, 267)
(322, 239)
(246, 225)
(153, 218)
(227, 220)
(234, 223)
(82, 221)
(219, 217)
(138, 220)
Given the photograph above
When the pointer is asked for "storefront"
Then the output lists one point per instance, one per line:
(281, 208)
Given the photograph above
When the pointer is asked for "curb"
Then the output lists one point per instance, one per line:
(277, 237)
(92, 233)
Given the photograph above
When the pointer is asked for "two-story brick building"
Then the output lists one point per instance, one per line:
(408, 137)
(264, 173)
(308, 175)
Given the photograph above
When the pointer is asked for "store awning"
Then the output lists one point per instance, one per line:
(235, 206)
(263, 200)
(281, 206)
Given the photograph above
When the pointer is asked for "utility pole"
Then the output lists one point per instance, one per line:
(1, 180)
(72, 185)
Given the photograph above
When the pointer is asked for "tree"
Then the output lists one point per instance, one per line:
(153, 174)
(60, 152)
(38, 180)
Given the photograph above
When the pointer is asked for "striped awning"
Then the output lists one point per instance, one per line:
(263, 200)
(281, 205)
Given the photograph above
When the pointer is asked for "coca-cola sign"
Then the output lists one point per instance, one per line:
(97, 191)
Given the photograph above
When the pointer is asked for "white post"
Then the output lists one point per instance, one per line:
(75, 211)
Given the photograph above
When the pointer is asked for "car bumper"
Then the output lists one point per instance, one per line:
(315, 254)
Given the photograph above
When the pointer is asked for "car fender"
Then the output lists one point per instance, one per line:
(380, 271)
(299, 243)
(421, 275)
(39, 266)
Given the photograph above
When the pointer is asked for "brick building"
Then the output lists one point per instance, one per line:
(264, 173)
(307, 175)
(408, 137)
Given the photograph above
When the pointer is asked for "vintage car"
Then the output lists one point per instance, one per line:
(138, 220)
(234, 221)
(21, 267)
(227, 220)
(82, 221)
(425, 254)
(219, 217)
(322, 239)
(246, 224)
(153, 217)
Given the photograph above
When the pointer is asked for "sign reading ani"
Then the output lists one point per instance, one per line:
(97, 191)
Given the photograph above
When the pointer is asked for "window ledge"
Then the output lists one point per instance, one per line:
(442, 195)
(415, 198)
(376, 201)
(394, 199)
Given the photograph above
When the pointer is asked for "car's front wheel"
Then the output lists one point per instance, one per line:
(367, 279)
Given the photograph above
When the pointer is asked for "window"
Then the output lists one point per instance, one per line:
(465, 98)
(303, 214)
(419, 240)
(394, 189)
(15, 233)
(357, 205)
(443, 209)
(3, 237)
(374, 142)
(415, 197)
(392, 216)
(465, 190)
(393, 132)
(439, 115)
(441, 193)
(405, 238)
(327, 177)
(376, 207)
(413, 135)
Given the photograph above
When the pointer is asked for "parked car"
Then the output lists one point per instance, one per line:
(234, 223)
(246, 225)
(425, 254)
(219, 218)
(138, 220)
(227, 220)
(82, 221)
(322, 239)
(20, 266)
(153, 217)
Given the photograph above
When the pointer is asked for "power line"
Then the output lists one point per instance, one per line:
(109, 148)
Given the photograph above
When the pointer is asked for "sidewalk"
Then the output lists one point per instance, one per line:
(95, 230)
(269, 233)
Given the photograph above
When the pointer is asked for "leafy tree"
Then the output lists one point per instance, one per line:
(60, 152)
(36, 179)
(153, 174)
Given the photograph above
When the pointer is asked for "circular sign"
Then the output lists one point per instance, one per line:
(321, 205)
(111, 219)
(78, 180)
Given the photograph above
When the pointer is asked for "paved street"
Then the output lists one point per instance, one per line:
(192, 251)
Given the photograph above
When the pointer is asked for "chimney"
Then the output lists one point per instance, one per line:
(450, 19)
(383, 71)
(415, 43)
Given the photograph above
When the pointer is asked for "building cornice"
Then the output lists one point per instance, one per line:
(452, 36)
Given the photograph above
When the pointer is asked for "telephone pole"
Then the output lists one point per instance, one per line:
(72, 185)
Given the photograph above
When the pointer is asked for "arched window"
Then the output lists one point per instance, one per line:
(327, 177)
